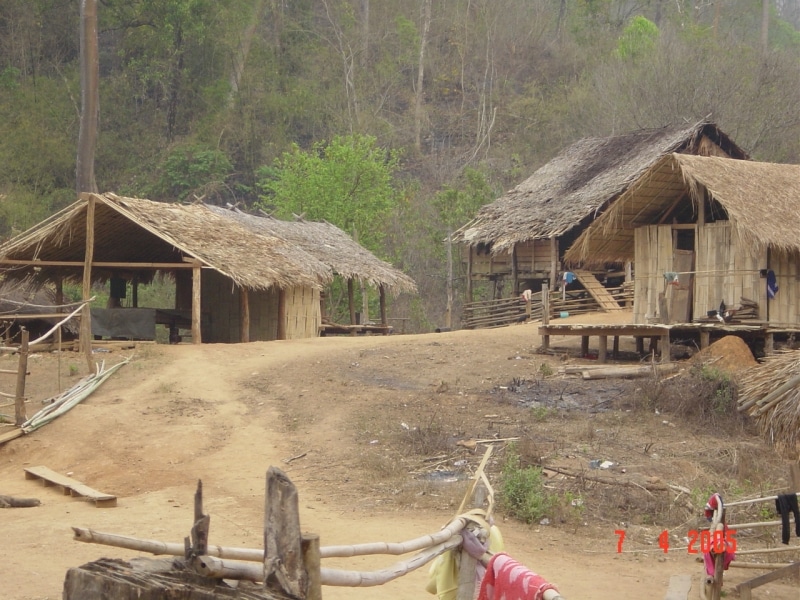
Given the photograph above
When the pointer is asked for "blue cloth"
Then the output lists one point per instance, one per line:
(568, 277)
(772, 284)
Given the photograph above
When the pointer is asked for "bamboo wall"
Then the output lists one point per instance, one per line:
(303, 317)
(727, 270)
(533, 258)
(653, 252)
(784, 309)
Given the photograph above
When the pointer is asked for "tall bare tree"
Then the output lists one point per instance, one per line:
(90, 99)
(418, 93)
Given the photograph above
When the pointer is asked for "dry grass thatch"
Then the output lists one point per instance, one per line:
(330, 245)
(580, 183)
(761, 200)
(132, 230)
(770, 393)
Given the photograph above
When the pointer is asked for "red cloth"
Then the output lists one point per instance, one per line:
(714, 502)
(506, 579)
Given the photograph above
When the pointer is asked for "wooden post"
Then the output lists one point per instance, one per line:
(769, 343)
(615, 351)
(553, 261)
(382, 292)
(351, 301)
(283, 556)
(469, 273)
(584, 346)
(19, 401)
(281, 333)
(197, 336)
(58, 342)
(545, 314)
(705, 338)
(602, 352)
(448, 311)
(468, 564)
(665, 348)
(86, 313)
(514, 272)
(311, 561)
(639, 345)
(244, 310)
(663, 312)
(135, 291)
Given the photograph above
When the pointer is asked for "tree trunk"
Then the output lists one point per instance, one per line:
(240, 59)
(418, 96)
(90, 99)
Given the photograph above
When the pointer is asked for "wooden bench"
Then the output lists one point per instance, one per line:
(70, 487)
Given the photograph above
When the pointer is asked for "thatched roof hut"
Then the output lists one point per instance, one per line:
(132, 230)
(330, 245)
(231, 283)
(727, 229)
(761, 201)
(582, 181)
(770, 393)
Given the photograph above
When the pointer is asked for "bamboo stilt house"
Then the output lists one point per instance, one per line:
(231, 284)
(522, 235)
(703, 233)
(335, 249)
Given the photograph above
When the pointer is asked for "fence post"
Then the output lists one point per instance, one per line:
(545, 314)
(19, 402)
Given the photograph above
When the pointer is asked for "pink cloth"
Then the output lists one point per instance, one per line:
(729, 556)
(506, 579)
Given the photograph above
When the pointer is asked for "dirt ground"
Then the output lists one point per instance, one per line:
(368, 429)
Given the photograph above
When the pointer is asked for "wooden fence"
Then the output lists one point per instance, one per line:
(506, 311)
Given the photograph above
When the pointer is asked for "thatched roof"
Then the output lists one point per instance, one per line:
(770, 393)
(578, 184)
(762, 201)
(330, 245)
(132, 230)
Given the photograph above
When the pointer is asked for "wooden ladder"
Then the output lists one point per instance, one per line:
(597, 291)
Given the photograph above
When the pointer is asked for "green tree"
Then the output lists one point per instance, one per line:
(638, 39)
(347, 181)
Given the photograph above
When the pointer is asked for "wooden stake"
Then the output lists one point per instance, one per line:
(19, 402)
(283, 558)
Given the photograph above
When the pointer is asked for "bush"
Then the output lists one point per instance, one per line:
(522, 492)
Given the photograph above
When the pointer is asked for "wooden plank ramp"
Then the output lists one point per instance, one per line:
(70, 487)
(679, 587)
(597, 291)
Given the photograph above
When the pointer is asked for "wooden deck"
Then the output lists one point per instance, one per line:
(660, 335)
(70, 487)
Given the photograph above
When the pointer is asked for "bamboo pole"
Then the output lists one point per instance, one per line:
(91, 536)
(197, 336)
(86, 318)
(19, 402)
(752, 501)
(281, 333)
(748, 565)
(768, 550)
(244, 309)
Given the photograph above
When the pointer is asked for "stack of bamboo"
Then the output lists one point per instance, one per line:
(770, 393)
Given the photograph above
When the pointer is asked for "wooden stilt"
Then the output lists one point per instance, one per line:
(197, 336)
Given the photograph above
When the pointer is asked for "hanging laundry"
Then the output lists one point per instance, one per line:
(507, 579)
(772, 284)
(786, 504)
(710, 557)
(568, 277)
(714, 503)
(671, 278)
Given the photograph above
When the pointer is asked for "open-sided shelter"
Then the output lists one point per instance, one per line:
(523, 234)
(335, 249)
(231, 283)
(706, 232)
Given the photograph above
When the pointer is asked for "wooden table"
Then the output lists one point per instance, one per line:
(654, 332)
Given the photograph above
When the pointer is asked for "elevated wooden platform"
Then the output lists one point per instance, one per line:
(70, 487)
(660, 334)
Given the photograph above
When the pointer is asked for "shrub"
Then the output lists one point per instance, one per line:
(522, 492)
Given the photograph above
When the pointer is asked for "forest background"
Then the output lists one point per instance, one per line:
(394, 119)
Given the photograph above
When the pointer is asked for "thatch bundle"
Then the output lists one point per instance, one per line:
(770, 393)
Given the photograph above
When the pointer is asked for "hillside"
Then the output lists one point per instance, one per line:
(368, 420)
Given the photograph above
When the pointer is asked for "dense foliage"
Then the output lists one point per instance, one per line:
(239, 101)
